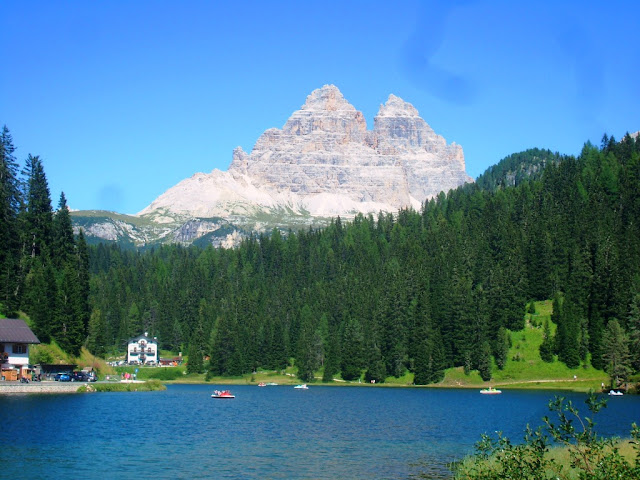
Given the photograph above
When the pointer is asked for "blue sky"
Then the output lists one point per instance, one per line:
(122, 100)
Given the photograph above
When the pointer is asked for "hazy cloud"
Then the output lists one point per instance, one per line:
(111, 197)
(422, 45)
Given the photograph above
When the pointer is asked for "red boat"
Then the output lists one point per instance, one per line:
(222, 394)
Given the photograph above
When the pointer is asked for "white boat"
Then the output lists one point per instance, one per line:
(615, 393)
(302, 386)
(490, 391)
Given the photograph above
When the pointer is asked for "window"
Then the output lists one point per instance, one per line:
(19, 348)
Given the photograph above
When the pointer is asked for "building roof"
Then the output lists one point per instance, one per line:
(13, 330)
(143, 337)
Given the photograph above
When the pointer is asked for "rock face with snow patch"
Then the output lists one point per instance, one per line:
(324, 162)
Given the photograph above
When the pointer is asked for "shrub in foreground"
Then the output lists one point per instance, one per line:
(590, 456)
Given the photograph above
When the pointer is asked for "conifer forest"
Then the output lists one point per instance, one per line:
(377, 295)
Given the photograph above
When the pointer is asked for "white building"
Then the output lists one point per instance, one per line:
(143, 350)
(15, 338)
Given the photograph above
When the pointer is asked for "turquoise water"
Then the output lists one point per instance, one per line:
(267, 433)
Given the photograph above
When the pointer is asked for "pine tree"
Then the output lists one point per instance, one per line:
(332, 363)
(546, 347)
(376, 373)
(196, 351)
(615, 346)
(82, 271)
(63, 248)
(484, 362)
(306, 357)
(69, 330)
(567, 332)
(38, 216)
(423, 363)
(39, 301)
(97, 339)
(503, 343)
(352, 350)
(633, 322)
(10, 201)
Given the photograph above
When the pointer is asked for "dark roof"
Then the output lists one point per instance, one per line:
(143, 337)
(13, 330)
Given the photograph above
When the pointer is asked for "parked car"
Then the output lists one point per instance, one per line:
(79, 377)
(62, 377)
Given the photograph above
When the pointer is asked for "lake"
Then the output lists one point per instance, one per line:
(273, 432)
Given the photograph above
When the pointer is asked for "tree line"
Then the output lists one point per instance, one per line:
(44, 268)
(416, 291)
(378, 296)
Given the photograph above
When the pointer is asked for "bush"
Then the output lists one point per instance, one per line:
(590, 456)
(151, 385)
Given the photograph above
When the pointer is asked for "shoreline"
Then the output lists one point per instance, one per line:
(45, 387)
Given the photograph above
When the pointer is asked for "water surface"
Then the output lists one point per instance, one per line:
(273, 432)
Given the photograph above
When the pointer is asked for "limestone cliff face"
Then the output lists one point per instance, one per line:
(324, 162)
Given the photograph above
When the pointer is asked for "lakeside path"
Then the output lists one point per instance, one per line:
(10, 388)
(47, 386)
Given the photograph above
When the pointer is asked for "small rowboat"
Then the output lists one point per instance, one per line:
(490, 391)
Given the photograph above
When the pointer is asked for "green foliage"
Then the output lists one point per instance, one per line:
(591, 456)
(546, 347)
(148, 386)
(43, 271)
(462, 267)
(503, 342)
(161, 373)
(615, 355)
(10, 200)
(484, 362)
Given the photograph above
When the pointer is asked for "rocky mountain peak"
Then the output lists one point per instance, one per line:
(322, 163)
(396, 107)
(327, 99)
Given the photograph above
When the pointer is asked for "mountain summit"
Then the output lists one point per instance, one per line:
(322, 163)
(325, 162)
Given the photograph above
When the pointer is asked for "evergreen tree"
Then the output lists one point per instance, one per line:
(423, 366)
(41, 293)
(503, 343)
(376, 373)
(633, 322)
(546, 347)
(195, 363)
(567, 332)
(63, 248)
(332, 363)
(277, 353)
(98, 338)
(10, 201)
(82, 271)
(69, 328)
(615, 354)
(38, 217)
(352, 350)
(484, 362)
(307, 351)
